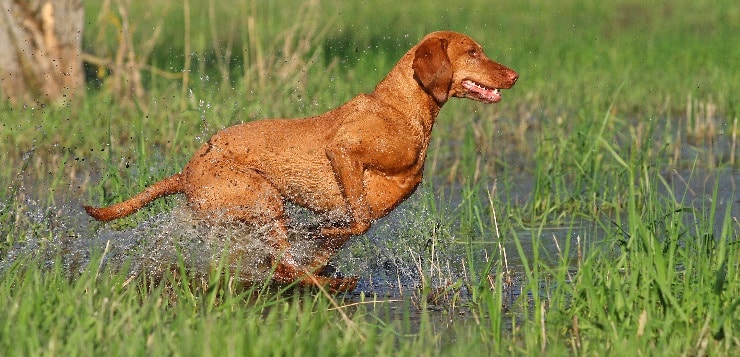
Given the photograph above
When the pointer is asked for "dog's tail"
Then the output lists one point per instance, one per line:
(168, 186)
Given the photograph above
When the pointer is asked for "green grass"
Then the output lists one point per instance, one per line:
(99, 314)
(603, 254)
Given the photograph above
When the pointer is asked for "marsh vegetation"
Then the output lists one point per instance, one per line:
(593, 211)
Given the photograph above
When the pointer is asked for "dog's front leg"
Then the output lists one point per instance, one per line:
(348, 171)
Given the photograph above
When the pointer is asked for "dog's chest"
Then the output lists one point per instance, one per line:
(384, 192)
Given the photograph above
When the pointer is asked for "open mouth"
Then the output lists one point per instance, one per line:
(481, 92)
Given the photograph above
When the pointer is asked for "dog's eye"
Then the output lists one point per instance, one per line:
(473, 52)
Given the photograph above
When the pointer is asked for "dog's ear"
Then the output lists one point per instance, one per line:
(432, 68)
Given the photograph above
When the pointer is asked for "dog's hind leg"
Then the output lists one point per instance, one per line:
(244, 195)
(223, 193)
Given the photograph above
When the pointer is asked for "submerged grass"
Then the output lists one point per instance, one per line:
(566, 219)
(657, 282)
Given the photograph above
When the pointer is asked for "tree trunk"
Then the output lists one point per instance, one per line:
(40, 50)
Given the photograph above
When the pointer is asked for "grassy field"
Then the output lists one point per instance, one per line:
(592, 211)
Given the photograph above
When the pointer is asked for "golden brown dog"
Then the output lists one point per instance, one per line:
(355, 163)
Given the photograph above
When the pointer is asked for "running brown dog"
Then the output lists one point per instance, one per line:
(355, 163)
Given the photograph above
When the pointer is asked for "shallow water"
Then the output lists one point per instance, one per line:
(394, 259)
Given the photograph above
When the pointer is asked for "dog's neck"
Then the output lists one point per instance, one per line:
(412, 95)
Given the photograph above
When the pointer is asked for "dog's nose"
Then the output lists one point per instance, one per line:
(513, 76)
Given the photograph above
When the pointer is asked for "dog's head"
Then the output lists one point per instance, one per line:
(449, 64)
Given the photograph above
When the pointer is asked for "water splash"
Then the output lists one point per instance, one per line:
(399, 252)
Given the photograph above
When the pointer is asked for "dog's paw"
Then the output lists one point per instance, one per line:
(352, 229)
(342, 285)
